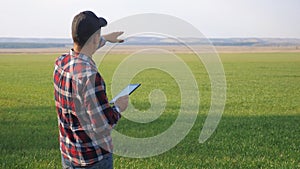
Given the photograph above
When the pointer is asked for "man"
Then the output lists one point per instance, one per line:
(85, 117)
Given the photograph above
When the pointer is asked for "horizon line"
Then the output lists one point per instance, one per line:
(231, 37)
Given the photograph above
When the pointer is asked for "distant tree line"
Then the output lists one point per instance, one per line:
(31, 45)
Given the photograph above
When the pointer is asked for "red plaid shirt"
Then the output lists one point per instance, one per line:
(85, 118)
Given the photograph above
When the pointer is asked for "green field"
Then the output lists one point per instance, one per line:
(259, 127)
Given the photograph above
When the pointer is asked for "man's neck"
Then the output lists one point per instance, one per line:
(85, 51)
(76, 48)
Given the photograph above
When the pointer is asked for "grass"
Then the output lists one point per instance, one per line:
(259, 127)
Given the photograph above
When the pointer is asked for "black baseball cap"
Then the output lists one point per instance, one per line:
(84, 25)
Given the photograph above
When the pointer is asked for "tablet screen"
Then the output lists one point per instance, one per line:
(126, 91)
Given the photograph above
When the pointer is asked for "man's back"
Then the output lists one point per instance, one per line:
(85, 117)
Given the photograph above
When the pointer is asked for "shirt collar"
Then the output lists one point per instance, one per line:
(83, 57)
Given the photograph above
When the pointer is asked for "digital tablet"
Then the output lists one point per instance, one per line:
(126, 91)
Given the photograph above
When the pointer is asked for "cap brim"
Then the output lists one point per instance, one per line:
(102, 21)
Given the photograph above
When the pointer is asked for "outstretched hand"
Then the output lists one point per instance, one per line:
(113, 37)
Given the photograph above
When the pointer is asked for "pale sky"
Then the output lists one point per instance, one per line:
(214, 18)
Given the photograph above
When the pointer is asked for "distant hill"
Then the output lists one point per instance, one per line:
(61, 43)
(215, 41)
(34, 42)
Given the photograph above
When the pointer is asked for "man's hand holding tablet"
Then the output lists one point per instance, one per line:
(121, 103)
(121, 100)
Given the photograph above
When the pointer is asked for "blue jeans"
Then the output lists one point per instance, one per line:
(105, 163)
